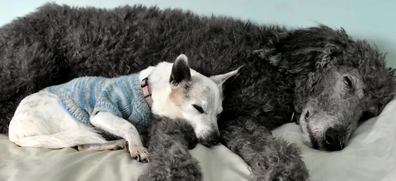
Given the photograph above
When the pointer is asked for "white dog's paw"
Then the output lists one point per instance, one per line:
(139, 152)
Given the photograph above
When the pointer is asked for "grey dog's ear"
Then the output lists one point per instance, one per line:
(180, 71)
(330, 52)
(224, 79)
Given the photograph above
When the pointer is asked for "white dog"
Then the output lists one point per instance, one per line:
(70, 114)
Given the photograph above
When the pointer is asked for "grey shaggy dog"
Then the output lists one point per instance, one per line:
(318, 77)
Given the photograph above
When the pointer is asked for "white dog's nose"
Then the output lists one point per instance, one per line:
(211, 140)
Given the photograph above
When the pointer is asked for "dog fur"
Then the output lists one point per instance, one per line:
(284, 74)
(41, 121)
(168, 149)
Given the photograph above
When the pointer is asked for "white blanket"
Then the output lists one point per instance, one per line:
(370, 155)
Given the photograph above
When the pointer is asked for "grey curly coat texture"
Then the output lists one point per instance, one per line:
(57, 43)
(168, 148)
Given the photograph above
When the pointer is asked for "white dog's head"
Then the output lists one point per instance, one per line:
(197, 99)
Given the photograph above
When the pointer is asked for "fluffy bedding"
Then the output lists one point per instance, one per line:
(370, 155)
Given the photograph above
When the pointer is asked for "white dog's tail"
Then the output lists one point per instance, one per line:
(69, 138)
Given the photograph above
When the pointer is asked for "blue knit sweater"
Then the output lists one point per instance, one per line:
(86, 96)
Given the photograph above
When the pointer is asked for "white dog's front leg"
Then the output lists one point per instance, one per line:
(122, 128)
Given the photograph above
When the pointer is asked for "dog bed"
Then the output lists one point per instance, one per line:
(370, 155)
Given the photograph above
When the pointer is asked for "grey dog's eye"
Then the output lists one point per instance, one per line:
(198, 108)
(347, 81)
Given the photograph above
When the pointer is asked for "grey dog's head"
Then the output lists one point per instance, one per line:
(347, 86)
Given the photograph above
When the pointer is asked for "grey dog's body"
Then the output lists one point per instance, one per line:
(319, 73)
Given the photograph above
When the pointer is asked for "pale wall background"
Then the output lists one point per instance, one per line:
(368, 19)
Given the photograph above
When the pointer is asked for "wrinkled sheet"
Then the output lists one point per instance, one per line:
(370, 155)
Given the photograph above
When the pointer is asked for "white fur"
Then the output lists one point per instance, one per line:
(123, 129)
(212, 103)
(41, 121)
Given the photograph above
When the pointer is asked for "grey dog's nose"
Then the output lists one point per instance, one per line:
(333, 140)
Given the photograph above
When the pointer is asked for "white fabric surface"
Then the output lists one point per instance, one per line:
(34, 164)
(370, 156)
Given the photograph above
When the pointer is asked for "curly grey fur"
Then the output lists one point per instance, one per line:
(273, 156)
(350, 83)
(285, 72)
(169, 141)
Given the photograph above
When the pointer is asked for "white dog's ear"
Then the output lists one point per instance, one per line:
(180, 71)
(226, 78)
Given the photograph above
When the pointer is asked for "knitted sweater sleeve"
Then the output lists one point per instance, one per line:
(105, 104)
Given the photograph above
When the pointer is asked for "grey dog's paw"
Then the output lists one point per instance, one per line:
(279, 161)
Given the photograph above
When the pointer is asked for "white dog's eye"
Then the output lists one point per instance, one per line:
(306, 115)
(198, 108)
